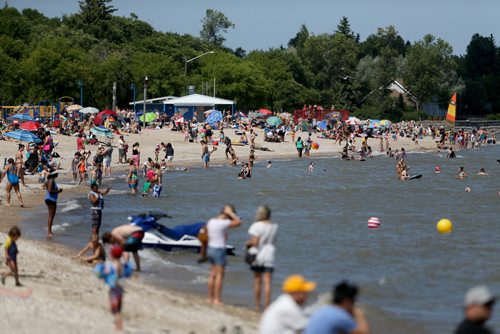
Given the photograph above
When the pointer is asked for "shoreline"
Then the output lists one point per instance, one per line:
(53, 252)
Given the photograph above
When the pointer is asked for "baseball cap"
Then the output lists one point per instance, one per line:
(297, 283)
(479, 295)
(116, 251)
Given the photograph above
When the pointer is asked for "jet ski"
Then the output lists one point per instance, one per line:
(178, 238)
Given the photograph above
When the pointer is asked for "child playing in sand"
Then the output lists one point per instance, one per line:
(111, 272)
(98, 253)
(11, 251)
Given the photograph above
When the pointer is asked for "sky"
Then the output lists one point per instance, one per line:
(264, 24)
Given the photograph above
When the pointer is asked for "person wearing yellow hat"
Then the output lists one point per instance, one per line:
(285, 314)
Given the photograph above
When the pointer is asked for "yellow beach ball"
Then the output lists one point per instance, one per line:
(444, 226)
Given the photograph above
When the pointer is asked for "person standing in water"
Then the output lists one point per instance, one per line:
(51, 200)
(12, 182)
(262, 237)
(132, 178)
(97, 202)
(205, 155)
(216, 252)
(299, 144)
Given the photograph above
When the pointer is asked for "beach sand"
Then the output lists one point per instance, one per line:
(67, 298)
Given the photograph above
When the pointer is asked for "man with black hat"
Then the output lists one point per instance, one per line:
(478, 309)
(341, 316)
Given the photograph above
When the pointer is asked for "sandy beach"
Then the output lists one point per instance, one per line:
(68, 298)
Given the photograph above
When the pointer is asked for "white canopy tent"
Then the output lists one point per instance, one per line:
(198, 100)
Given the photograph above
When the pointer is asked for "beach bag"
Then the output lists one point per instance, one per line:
(251, 255)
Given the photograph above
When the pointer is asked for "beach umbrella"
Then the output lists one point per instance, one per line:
(265, 112)
(374, 123)
(274, 121)
(323, 125)
(89, 110)
(385, 122)
(286, 115)
(353, 121)
(214, 117)
(23, 135)
(253, 115)
(208, 112)
(21, 118)
(148, 117)
(334, 115)
(101, 131)
(100, 117)
(74, 107)
(30, 126)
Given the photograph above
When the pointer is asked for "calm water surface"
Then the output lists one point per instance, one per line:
(412, 278)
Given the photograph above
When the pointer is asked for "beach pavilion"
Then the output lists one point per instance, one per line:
(196, 103)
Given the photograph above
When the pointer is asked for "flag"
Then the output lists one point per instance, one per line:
(452, 110)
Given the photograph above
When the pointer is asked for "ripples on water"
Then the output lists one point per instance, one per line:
(413, 279)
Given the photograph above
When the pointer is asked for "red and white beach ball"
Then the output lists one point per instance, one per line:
(373, 222)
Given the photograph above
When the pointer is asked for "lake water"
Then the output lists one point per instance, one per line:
(412, 279)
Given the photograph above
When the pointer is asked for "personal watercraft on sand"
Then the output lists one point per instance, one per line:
(181, 237)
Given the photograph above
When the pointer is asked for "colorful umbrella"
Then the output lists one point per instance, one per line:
(89, 110)
(99, 118)
(286, 115)
(74, 107)
(214, 117)
(30, 126)
(353, 121)
(21, 118)
(208, 112)
(323, 125)
(101, 131)
(274, 121)
(334, 115)
(385, 122)
(23, 135)
(148, 117)
(265, 111)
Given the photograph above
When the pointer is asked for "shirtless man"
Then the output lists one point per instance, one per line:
(129, 237)
(20, 163)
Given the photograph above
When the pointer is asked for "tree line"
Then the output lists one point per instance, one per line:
(42, 59)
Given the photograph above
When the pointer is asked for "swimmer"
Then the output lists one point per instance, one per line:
(468, 190)
(482, 172)
(269, 164)
(461, 173)
(437, 170)
(311, 166)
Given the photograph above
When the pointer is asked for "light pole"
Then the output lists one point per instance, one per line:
(80, 84)
(145, 96)
(132, 87)
(190, 60)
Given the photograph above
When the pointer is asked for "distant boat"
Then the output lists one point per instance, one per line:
(452, 110)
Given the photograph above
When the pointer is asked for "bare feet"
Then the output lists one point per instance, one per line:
(217, 303)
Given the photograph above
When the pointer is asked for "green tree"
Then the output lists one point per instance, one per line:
(344, 27)
(430, 69)
(213, 25)
(300, 38)
(93, 11)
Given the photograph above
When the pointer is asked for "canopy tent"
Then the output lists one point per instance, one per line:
(198, 100)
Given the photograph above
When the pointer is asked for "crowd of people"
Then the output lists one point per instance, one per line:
(111, 250)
